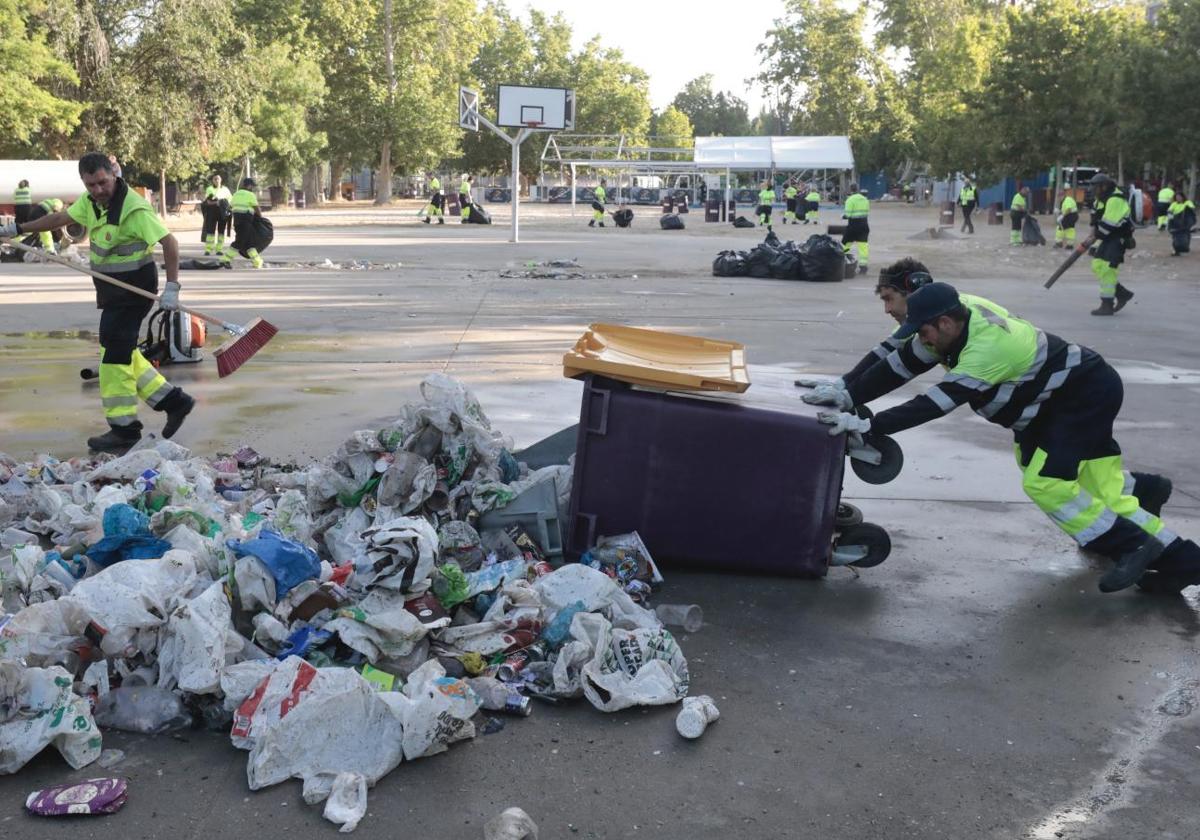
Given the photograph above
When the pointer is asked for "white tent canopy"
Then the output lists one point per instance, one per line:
(780, 153)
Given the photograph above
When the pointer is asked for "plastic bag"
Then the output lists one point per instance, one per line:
(347, 802)
(198, 640)
(671, 221)
(379, 626)
(288, 561)
(729, 264)
(126, 537)
(46, 711)
(436, 710)
(642, 667)
(822, 260)
(145, 709)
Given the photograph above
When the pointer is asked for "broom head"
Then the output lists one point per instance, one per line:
(233, 354)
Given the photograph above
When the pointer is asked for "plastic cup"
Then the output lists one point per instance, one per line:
(688, 616)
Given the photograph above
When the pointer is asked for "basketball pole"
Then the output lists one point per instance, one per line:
(515, 142)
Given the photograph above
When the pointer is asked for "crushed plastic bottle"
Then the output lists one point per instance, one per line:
(510, 824)
(695, 716)
(559, 629)
(147, 709)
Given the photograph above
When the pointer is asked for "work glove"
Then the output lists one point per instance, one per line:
(829, 394)
(169, 299)
(843, 422)
(812, 382)
(8, 230)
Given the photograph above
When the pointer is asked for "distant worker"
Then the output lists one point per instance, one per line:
(464, 197)
(245, 210)
(1017, 212)
(437, 202)
(789, 200)
(217, 208)
(1068, 216)
(600, 196)
(766, 197)
(1060, 400)
(1181, 217)
(857, 230)
(966, 200)
(123, 229)
(812, 205)
(1113, 229)
(1165, 196)
(22, 201)
(47, 238)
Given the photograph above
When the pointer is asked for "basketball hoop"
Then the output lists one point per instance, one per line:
(534, 125)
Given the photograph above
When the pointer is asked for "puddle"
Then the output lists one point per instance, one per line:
(1148, 373)
(322, 390)
(55, 335)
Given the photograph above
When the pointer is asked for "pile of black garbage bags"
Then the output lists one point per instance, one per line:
(819, 259)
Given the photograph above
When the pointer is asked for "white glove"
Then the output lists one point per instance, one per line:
(843, 422)
(170, 297)
(811, 382)
(829, 394)
(8, 230)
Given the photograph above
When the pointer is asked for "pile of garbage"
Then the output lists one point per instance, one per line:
(819, 260)
(382, 597)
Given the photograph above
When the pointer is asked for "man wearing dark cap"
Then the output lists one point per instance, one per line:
(1060, 399)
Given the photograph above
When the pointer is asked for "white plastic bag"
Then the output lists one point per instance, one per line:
(436, 710)
(46, 712)
(597, 591)
(642, 667)
(198, 640)
(347, 802)
(379, 627)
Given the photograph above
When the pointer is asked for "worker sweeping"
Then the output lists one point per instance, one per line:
(245, 212)
(123, 230)
(600, 196)
(812, 205)
(857, 229)
(766, 197)
(1113, 229)
(1060, 399)
(1068, 217)
(437, 202)
(22, 201)
(464, 198)
(47, 239)
(1016, 213)
(217, 208)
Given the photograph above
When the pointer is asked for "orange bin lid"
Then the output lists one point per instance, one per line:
(658, 359)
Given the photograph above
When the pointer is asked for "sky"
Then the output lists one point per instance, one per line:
(675, 41)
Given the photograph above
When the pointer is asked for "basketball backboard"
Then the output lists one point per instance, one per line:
(468, 109)
(547, 109)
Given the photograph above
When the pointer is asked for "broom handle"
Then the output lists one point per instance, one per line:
(120, 284)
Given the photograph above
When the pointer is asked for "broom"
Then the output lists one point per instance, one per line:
(230, 356)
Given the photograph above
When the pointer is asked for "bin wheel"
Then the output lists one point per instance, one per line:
(847, 515)
(868, 536)
(885, 470)
(864, 412)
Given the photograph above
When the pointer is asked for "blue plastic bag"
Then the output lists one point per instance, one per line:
(126, 537)
(288, 561)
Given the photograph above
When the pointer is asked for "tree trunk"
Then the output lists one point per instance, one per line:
(162, 192)
(383, 180)
(1120, 166)
(336, 168)
(1191, 193)
(313, 197)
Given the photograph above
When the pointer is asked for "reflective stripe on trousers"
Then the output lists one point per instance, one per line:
(1088, 507)
(864, 251)
(1107, 275)
(121, 385)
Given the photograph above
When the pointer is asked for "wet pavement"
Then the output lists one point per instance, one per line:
(976, 684)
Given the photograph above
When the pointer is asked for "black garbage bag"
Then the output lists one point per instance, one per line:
(743, 222)
(198, 264)
(1031, 231)
(1181, 241)
(851, 266)
(772, 239)
(478, 216)
(822, 260)
(758, 260)
(785, 265)
(623, 217)
(671, 221)
(730, 264)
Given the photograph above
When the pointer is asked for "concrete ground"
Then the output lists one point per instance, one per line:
(976, 684)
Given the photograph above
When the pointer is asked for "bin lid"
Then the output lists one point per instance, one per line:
(658, 359)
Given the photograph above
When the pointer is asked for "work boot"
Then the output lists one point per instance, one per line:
(1123, 297)
(1106, 307)
(441, 220)
(1058, 244)
(115, 441)
(1152, 491)
(425, 220)
(592, 223)
(602, 224)
(1130, 566)
(177, 405)
(862, 269)
(1177, 568)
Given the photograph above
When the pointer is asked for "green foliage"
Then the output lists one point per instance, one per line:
(673, 128)
(27, 69)
(292, 88)
(712, 114)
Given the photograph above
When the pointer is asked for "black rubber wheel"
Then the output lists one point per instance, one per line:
(864, 412)
(885, 470)
(847, 515)
(871, 537)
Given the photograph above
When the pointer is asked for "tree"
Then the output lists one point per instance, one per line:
(612, 95)
(712, 113)
(27, 69)
(292, 89)
(673, 128)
